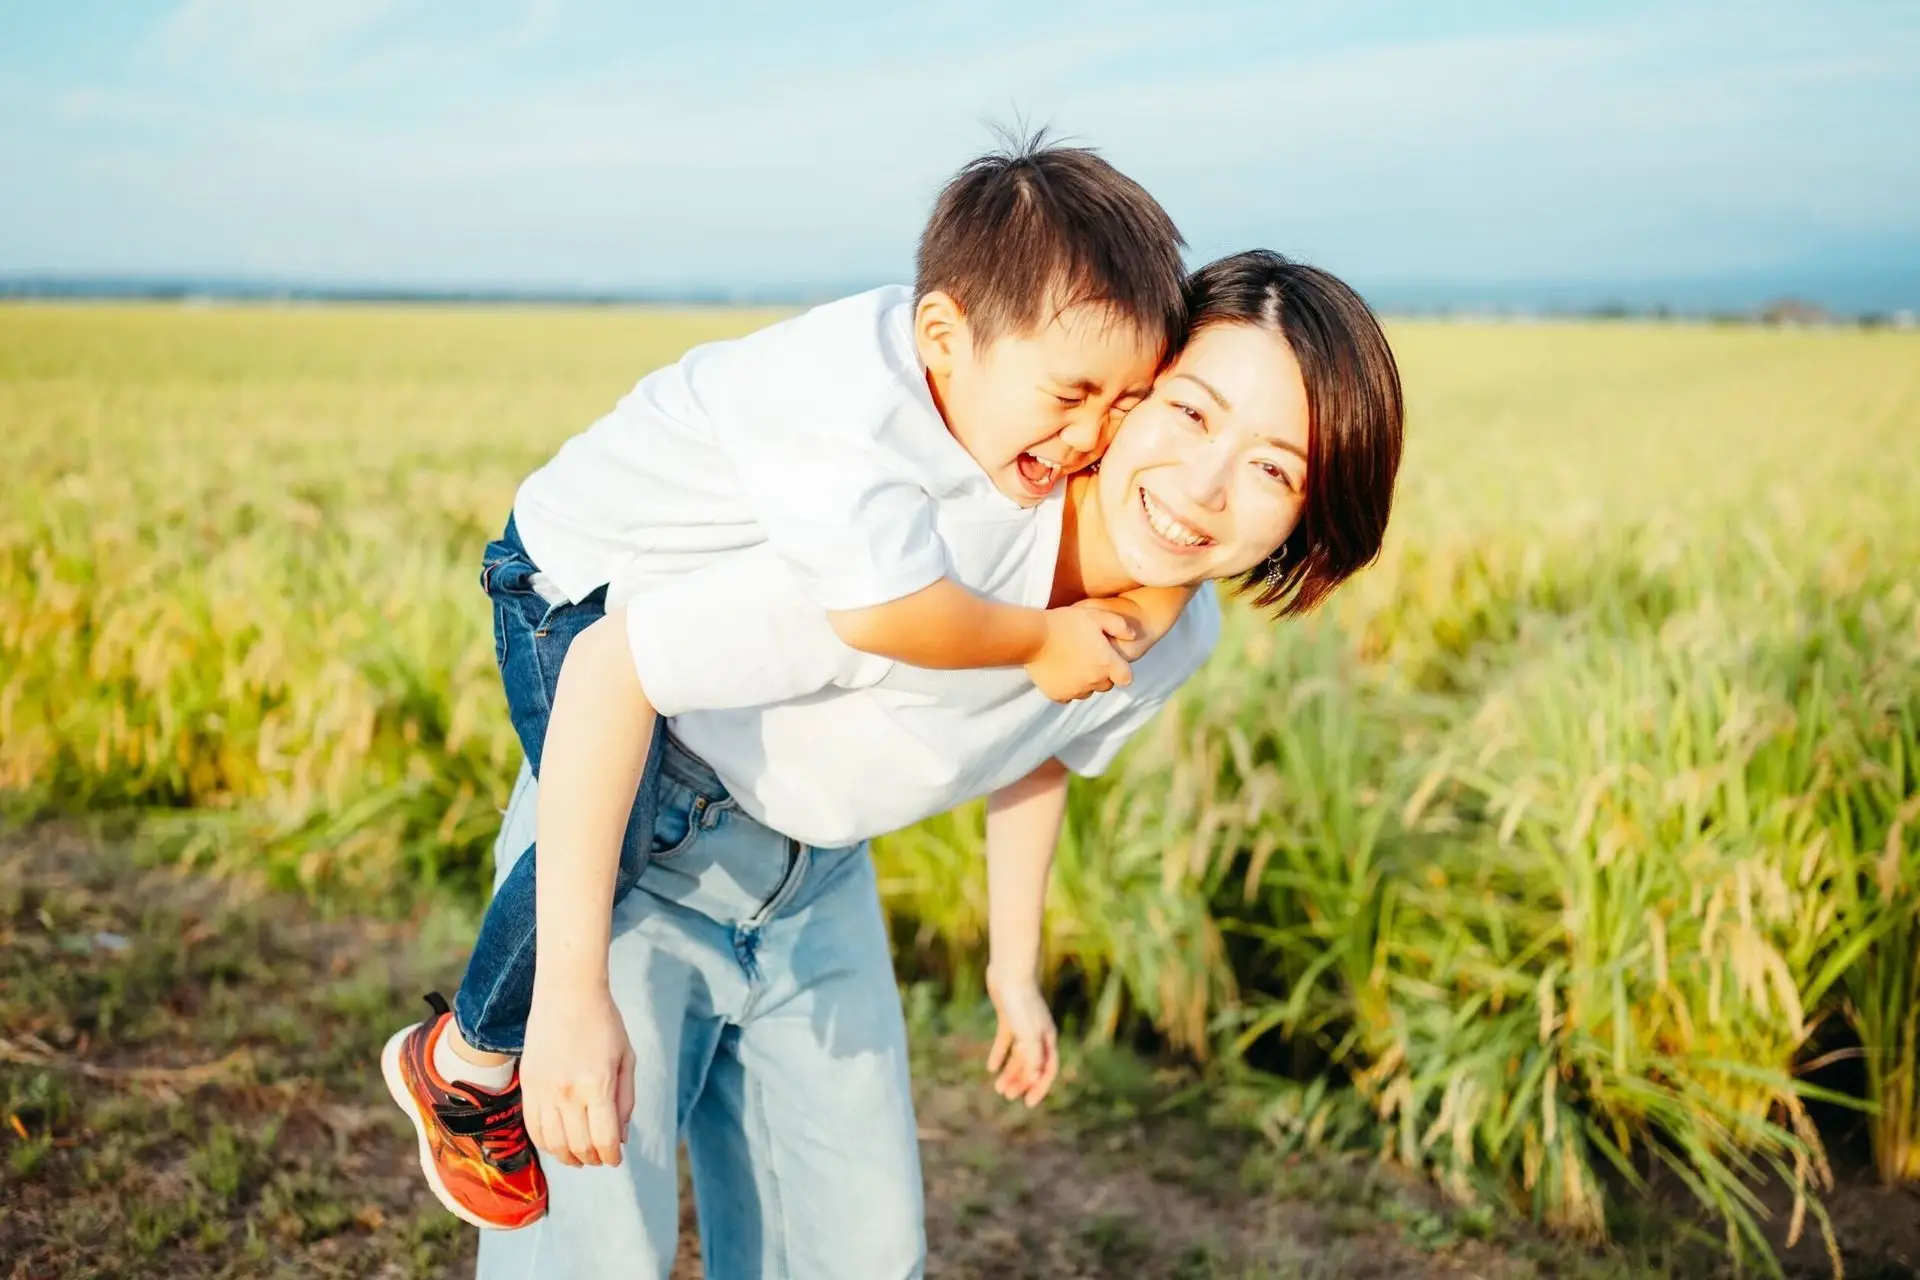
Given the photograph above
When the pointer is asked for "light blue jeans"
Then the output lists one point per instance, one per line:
(755, 980)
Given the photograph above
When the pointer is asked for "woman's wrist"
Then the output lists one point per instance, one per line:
(571, 976)
(1013, 969)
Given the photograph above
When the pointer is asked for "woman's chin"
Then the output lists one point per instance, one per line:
(1166, 570)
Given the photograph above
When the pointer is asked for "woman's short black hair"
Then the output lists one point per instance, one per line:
(1355, 416)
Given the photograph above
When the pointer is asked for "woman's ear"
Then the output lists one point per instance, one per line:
(940, 332)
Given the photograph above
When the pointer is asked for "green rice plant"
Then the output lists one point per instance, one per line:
(1672, 960)
(1872, 811)
(238, 570)
(1603, 925)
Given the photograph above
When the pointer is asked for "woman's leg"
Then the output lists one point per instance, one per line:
(743, 959)
(624, 1221)
(806, 1161)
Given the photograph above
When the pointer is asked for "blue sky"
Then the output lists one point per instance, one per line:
(774, 143)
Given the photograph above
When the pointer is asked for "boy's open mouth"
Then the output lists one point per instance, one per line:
(1037, 474)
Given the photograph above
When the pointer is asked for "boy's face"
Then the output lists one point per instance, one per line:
(1033, 408)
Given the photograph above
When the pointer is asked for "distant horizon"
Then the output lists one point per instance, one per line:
(1852, 296)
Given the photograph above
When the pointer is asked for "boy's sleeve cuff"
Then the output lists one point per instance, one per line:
(843, 592)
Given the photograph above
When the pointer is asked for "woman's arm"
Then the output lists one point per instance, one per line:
(577, 1065)
(595, 750)
(1023, 827)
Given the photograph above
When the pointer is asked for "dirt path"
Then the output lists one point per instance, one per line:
(187, 1089)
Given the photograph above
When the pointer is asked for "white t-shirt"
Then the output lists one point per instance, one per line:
(832, 746)
(816, 435)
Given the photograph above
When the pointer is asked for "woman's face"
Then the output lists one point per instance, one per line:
(1206, 476)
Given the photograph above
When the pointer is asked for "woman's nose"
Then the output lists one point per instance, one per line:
(1205, 477)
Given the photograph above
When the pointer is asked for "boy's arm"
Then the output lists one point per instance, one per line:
(1023, 826)
(838, 500)
(577, 1065)
(1153, 611)
(1069, 653)
(945, 626)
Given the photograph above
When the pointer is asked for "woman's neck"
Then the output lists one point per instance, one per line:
(1087, 567)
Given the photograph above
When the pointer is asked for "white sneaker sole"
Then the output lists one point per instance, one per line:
(403, 1097)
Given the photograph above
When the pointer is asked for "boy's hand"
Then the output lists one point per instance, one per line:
(576, 1077)
(1147, 632)
(1026, 1048)
(1154, 610)
(1135, 648)
(1078, 655)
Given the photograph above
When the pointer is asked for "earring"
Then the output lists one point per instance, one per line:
(1276, 568)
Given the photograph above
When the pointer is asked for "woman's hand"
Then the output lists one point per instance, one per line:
(576, 1076)
(1026, 1049)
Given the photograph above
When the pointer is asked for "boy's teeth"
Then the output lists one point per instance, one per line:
(1038, 471)
(1167, 526)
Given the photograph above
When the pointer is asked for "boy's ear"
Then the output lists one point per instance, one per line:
(940, 331)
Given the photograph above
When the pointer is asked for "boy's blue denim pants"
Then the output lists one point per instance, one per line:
(533, 626)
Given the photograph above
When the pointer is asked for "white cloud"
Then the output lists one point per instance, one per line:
(263, 38)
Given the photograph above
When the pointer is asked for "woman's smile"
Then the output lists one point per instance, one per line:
(1179, 536)
(1204, 479)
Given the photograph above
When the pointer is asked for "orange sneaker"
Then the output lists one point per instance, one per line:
(474, 1147)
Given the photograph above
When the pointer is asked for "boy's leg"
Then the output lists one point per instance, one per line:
(455, 1075)
(533, 626)
(533, 629)
(473, 1145)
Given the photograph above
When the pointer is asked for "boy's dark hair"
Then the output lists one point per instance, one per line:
(1355, 416)
(1035, 226)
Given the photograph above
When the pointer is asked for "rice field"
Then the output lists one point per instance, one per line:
(1575, 841)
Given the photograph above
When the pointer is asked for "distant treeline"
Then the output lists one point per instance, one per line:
(1787, 312)
(213, 291)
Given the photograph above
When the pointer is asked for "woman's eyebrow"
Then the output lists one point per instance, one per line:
(1287, 446)
(1207, 387)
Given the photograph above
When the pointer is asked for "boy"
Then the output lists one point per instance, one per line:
(1048, 290)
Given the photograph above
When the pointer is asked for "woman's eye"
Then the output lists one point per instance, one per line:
(1070, 402)
(1191, 414)
(1273, 472)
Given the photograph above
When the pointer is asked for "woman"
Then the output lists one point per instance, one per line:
(755, 983)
